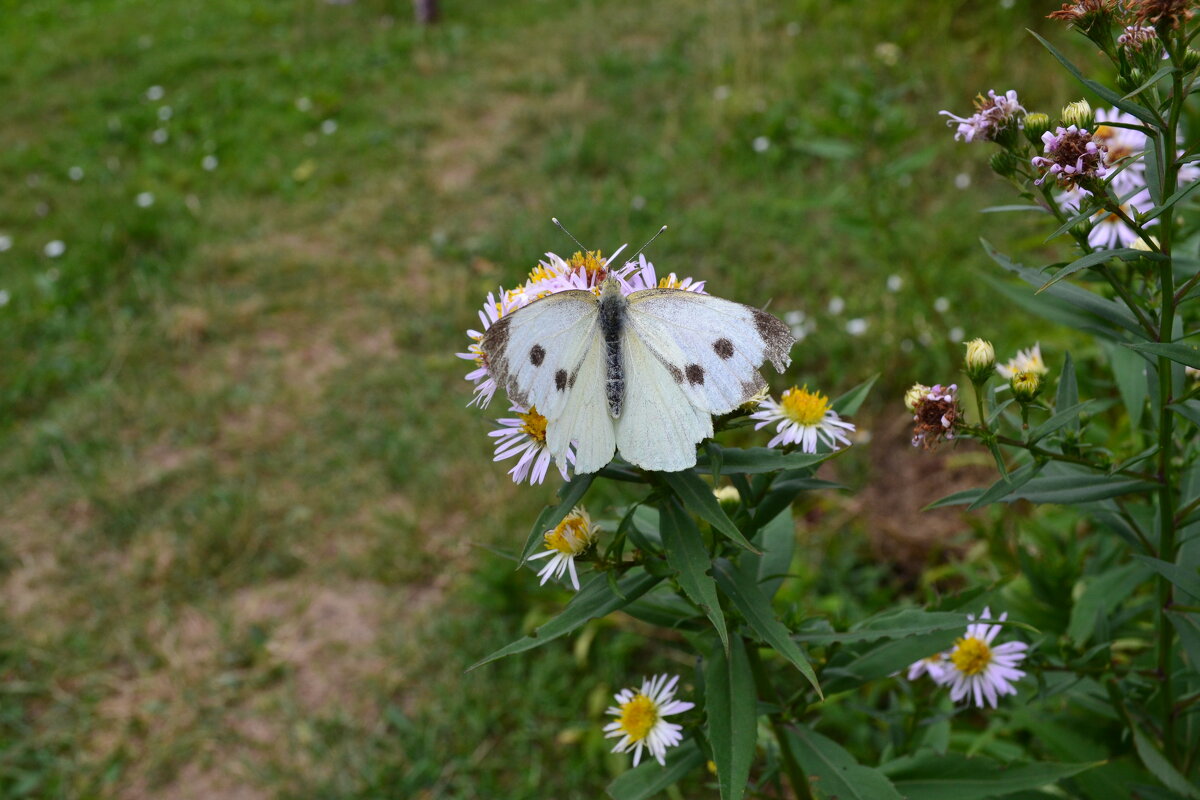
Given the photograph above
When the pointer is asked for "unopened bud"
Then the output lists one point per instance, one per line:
(1025, 386)
(1036, 124)
(1004, 163)
(727, 496)
(914, 395)
(1191, 60)
(980, 360)
(1079, 114)
(1140, 244)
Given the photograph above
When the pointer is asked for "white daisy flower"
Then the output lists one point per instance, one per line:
(1029, 360)
(572, 537)
(804, 417)
(977, 670)
(935, 666)
(525, 436)
(640, 722)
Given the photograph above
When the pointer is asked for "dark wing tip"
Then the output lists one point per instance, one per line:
(777, 338)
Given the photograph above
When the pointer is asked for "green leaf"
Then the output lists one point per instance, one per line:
(749, 599)
(1189, 410)
(1186, 354)
(1006, 485)
(1002, 209)
(953, 776)
(1067, 487)
(1162, 72)
(687, 555)
(1186, 579)
(1161, 768)
(1129, 372)
(960, 498)
(698, 497)
(1068, 389)
(783, 494)
(595, 599)
(1050, 303)
(1091, 260)
(1068, 415)
(1144, 114)
(833, 772)
(755, 460)
(731, 703)
(649, 778)
(1188, 626)
(1175, 198)
(850, 402)
(1154, 177)
(892, 625)
(778, 539)
(570, 493)
(1101, 595)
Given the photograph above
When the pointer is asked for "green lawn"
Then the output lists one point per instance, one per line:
(248, 528)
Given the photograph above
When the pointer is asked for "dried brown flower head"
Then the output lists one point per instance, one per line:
(935, 416)
(1164, 13)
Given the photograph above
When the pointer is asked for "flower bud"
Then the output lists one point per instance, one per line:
(980, 361)
(1036, 124)
(728, 497)
(914, 394)
(1140, 244)
(1191, 60)
(1025, 386)
(1004, 163)
(1079, 114)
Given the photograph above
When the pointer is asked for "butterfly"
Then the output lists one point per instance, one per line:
(640, 375)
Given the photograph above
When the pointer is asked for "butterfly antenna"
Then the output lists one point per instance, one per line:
(647, 244)
(568, 233)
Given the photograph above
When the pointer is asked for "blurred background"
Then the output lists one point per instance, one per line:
(250, 534)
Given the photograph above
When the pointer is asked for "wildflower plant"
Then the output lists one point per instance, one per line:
(1107, 440)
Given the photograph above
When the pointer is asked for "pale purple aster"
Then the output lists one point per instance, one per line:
(524, 436)
(979, 671)
(640, 718)
(493, 309)
(805, 418)
(992, 115)
(1108, 230)
(643, 276)
(935, 666)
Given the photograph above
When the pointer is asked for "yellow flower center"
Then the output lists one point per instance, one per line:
(670, 282)
(540, 273)
(590, 262)
(571, 536)
(534, 424)
(638, 717)
(971, 656)
(804, 407)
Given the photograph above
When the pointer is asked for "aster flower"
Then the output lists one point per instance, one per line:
(1136, 36)
(643, 276)
(640, 722)
(935, 416)
(493, 309)
(572, 537)
(525, 436)
(1164, 12)
(935, 666)
(1073, 157)
(1086, 14)
(1121, 145)
(977, 670)
(1108, 230)
(994, 116)
(1028, 360)
(804, 418)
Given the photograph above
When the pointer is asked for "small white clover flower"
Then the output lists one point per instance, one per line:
(75, 173)
(209, 163)
(525, 436)
(155, 93)
(54, 248)
(572, 537)
(762, 144)
(640, 719)
(329, 127)
(977, 670)
(160, 136)
(804, 418)
(144, 199)
(5, 242)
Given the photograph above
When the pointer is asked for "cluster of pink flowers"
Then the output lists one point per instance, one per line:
(993, 115)
(1071, 156)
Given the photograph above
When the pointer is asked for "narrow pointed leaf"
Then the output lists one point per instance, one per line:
(649, 778)
(756, 460)
(1188, 627)
(833, 772)
(953, 776)
(570, 493)
(1068, 389)
(749, 599)
(687, 555)
(595, 599)
(1186, 354)
(852, 400)
(699, 498)
(1161, 768)
(731, 702)
(1091, 260)
(1183, 578)
(1144, 114)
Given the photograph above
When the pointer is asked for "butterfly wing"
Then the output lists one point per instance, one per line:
(549, 355)
(712, 348)
(659, 426)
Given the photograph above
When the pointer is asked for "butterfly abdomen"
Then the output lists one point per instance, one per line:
(612, 319)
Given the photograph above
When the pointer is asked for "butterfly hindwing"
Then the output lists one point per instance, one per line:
(659, 426)
(584, 417)
(712, 348)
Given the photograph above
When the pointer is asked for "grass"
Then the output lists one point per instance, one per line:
(245, 514)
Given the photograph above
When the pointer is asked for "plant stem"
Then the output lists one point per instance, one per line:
(791, 766)
(1052, 456)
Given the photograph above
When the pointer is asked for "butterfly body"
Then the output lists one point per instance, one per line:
(641, 374)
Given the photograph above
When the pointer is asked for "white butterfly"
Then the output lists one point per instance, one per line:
(641, 375)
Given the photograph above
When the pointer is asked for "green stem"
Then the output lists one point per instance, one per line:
(1068, 459)
(791, 766)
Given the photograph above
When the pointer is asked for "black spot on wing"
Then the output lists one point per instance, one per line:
(723, 348)
(571, 380)
(537, 355)
(695, 374)
(776, 336)
(676, 373)
(560, 380)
